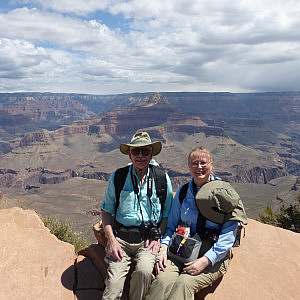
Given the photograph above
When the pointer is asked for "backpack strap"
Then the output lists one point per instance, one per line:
(238, 236)
(183, 192)
(201, 220)
(160, 181)
(119, 181)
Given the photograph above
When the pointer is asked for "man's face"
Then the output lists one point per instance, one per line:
(200, 165)
(140, 157)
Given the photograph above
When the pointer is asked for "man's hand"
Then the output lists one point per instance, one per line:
(114, 250)
(152, 246)
(161, 261)
(197, 266)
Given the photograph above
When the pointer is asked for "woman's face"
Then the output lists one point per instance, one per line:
(200, 165)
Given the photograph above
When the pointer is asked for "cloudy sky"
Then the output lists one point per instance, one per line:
(113, 46)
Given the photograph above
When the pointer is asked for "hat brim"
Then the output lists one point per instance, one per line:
(206, 203)
(156, 147)
(210, 214)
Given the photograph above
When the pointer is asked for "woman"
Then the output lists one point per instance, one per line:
(175, 281)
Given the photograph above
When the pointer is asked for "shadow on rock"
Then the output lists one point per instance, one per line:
(84, 278)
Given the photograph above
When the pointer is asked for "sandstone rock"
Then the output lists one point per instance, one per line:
(266, 266)
(32, 260)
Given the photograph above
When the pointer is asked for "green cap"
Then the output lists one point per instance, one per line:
(218, 202)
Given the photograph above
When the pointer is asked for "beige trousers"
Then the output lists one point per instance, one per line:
(173, 285)
(140, 278)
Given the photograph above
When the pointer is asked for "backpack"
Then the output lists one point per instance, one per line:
(201, 224)
(160, 181)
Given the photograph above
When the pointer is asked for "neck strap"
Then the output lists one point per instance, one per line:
(137, 190)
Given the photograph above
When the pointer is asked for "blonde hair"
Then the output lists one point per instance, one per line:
(199, 149)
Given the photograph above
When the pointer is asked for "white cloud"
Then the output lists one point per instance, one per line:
(17, 57)
(169, 45)
(72, 6)
(76, 34)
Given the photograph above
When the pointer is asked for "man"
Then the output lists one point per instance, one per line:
(132, 218)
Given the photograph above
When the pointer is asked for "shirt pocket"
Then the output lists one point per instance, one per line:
(127, 203)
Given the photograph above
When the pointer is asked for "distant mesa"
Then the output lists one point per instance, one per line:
(152, 99)
(40, 108)
(149, 112)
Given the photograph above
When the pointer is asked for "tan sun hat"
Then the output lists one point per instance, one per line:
(141, 139)
(218, 202)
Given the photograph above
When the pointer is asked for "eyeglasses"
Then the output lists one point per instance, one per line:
(142, 151)
(203, 164)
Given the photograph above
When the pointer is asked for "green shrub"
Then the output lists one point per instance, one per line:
(288, 217)
(64, 232)
(267, 216)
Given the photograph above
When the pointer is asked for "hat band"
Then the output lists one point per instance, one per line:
(140, 142)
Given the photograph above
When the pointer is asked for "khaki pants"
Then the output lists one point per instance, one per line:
(140, 278)
(173, 285)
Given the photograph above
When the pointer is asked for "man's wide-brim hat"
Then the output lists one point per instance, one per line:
(141, 139)
(218, 202)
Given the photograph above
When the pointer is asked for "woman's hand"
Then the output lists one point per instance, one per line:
(114, 250)
(161, 260)
(197, 266)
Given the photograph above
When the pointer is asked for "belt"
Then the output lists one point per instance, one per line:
(130, 235)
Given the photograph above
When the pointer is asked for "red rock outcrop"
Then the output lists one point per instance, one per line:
(34, 137)
(32, 260)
